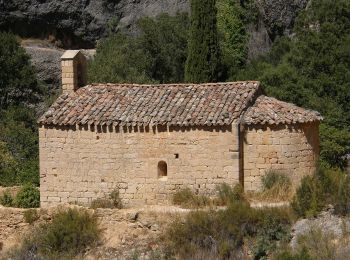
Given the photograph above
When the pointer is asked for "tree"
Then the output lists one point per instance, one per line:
(18, 84)
(18, 147)
(312, 70)
(119, 59)
(164, 40)
(231, 20)
(157, 55)
(204, 57)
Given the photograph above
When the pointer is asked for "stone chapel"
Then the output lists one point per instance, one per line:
(148, 141)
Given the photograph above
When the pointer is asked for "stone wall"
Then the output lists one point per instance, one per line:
(79, 165)
(291, 149)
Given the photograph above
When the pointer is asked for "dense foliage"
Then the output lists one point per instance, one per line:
(312, 69)
(325, 187)
(19, 146)
(204, 56)
(18, 84)
(27, 197)
(157, 55)
(233, 18)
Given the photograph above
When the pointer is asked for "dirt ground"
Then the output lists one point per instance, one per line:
(126, 232)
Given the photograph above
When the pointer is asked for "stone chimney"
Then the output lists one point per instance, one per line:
(74, 67)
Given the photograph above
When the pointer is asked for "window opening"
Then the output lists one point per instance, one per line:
(162, 170)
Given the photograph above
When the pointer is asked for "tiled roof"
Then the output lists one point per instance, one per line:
(137, 105)
(268, 110)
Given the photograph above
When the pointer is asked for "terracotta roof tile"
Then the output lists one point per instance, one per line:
(140, 105)
(268, 110)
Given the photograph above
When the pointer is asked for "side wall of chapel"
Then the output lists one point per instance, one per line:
(289, 149)
(82, 164)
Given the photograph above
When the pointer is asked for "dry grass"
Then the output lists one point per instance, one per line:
(325, 245)
(187, 199)
(276, 187)
(278, 193)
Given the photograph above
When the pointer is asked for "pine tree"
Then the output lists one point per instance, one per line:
(204, 57)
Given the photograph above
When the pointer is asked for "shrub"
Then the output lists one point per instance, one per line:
(69, 234)
(101, 204)
(274, 226)
(308, 201)
(223, 233)
(6, 199)
(274, 178)
(186, 198)
(228, 195)
(288, 255)
(113, 201)
(28, 197)
(30, 216)
(276, 187)
(115, 198)
(324, 245)
(342, 201)
(326, 186)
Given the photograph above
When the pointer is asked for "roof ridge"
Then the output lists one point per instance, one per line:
(171, 84)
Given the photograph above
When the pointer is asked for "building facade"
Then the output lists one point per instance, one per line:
(148, 141)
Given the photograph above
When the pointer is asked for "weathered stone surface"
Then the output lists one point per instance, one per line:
(291, 149)
(84, 164)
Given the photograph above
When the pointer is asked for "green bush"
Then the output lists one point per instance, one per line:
(28, 197)
(274, 178)
(19, 145)
(30, 216)
(342, 201)
(69, 234)
(288, 255)
(228, 195)
(326, 186)
(6, 199)
(274, 226)
(224, 232)
(309, 198)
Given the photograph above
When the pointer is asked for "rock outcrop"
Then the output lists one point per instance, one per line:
(79, 24)
(73, 23)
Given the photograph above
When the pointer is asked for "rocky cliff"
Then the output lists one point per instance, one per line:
(79, 23)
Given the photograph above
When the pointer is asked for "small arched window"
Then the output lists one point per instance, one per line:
(162, 170)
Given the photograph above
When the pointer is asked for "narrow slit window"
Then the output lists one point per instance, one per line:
(162, 169)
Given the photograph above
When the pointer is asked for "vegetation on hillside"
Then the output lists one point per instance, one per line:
(157, 55)
(204, 55)
(312, 69)
(19, 91)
